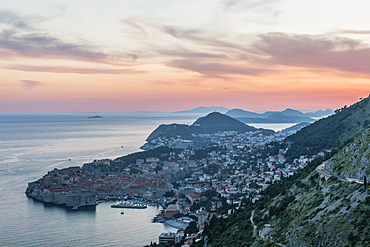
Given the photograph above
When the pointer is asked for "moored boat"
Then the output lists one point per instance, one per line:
(129, 205)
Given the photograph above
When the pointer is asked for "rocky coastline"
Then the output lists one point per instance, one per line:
(73, 200)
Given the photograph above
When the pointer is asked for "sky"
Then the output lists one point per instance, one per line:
(170, 55)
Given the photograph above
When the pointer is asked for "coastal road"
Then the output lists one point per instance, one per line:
(321, 169)
(254, 226)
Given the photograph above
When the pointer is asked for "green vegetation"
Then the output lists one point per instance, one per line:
(210, 124)
(192, 228)
(331, 132)
(302, 210)
(160, 152)
(352, 161)
(237, 230)
(169, 194)
(216, 121)
(306, 209)
(171, 130)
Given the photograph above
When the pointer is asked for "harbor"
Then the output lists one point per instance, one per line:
(129, 204)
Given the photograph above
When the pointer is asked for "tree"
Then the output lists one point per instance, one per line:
(158, 168)
(176, 185)
(192, 228)
(169, 194)
(365, 183)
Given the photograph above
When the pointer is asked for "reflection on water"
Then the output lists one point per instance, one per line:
(32, 145)
(275, 126)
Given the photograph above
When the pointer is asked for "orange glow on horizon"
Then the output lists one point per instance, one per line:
(145, 60)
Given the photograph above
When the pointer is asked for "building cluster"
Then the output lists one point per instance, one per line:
(172, 142)
(224, 138)
(236, 171)
(236, 168)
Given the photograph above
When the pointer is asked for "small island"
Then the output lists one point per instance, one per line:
(214, 143)
(194, 172)
(96, 116)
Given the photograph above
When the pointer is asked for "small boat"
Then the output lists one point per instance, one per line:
(129, 205)
(122, 212)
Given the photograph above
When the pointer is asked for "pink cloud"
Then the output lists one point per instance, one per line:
(30, 84)
(63, 69)
(216, 69)
(315, 51)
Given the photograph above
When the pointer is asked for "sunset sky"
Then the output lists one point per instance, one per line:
(167, 55)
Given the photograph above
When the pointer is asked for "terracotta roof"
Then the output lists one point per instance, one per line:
(194, 195)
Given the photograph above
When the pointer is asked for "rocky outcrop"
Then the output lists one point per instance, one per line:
(352, 161)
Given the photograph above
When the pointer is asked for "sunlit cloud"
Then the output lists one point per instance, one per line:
(30, 84)
(42, 45)
(201, 37)
(74, 70)
(171, 53)
(250, 4)
(21, 37)
(347, 31)
(164, 83)
(316, 51)
(217, 69)
(12, 20)
(186, 53)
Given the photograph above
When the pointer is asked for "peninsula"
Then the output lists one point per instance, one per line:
(222, 176)
(151, 174)
(198, 134)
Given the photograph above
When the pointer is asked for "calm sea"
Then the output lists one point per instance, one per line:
(31, 144)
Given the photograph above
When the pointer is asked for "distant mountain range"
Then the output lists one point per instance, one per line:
(286, 116)
(205, 110)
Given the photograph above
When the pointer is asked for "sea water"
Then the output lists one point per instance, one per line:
(31, 144)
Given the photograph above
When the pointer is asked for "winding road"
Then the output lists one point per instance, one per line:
(322, 171)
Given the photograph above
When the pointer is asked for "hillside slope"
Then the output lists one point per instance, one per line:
(331, 132)
(215, 122)
(323, 208)
(212, 123)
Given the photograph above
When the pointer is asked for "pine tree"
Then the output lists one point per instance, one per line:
(365, 183)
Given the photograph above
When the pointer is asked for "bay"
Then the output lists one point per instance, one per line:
(31, 144)
(272, 126)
